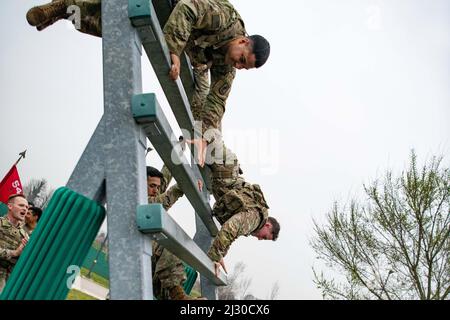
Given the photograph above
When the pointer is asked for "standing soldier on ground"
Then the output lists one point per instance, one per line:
(13, 237)
(31, 219)
(168, 270)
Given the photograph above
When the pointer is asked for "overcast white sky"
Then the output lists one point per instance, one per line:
(350, 87)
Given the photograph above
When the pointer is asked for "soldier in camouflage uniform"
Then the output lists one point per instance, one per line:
(213, 35)
(211, 32)
(168, 269)
(13, 237)
(240, 206)
(31, 219)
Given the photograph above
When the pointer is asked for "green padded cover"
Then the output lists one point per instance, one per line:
(57, 246)
(3, 209)
(191, 275)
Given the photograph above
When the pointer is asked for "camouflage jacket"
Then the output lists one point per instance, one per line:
(202, 28)
(240, 206)
(240, 224)
(10, 239)
(232, 193)
(166, 197)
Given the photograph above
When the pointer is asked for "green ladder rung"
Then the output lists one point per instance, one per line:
(61, 239)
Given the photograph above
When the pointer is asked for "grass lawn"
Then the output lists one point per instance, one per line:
(95, 277)
(78, 295)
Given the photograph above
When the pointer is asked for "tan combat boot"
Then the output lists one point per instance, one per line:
(177, 293)
(45, 15)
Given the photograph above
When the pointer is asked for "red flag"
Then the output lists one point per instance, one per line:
(10, 184)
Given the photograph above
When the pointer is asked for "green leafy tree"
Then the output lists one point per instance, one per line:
(394, 246)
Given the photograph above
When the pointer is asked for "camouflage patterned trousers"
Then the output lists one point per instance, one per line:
(168, 271)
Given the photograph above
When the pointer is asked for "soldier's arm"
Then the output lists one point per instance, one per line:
(5, 254)
(168, 198)
(179, 26)
(241, 224)
(222, 77)
(8, 254)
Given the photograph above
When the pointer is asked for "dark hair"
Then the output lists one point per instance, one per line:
(15, 195)
(153, 172)
(260, 48)
(36, 211)
(275, 227)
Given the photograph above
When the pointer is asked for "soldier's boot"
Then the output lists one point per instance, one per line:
(177, 293)
(45, 15)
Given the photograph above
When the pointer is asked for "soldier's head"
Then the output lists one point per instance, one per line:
(269, 231)
(248, 52)
(17, 208)
(154, 178)
(33, 215)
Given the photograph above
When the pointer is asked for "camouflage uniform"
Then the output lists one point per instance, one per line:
(10, 239)
(203, 28)
(240, 206)
(168, 270)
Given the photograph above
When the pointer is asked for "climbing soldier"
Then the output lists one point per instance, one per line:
(240, 206)
(213, 35)
(168, 270)
(31, 219)
(211, 32)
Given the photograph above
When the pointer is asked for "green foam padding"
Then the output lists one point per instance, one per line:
(62, 239)
(3, 209)
(191, 276)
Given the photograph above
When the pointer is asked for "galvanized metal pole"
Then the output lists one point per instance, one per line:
(129, 250)
(112, 168)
